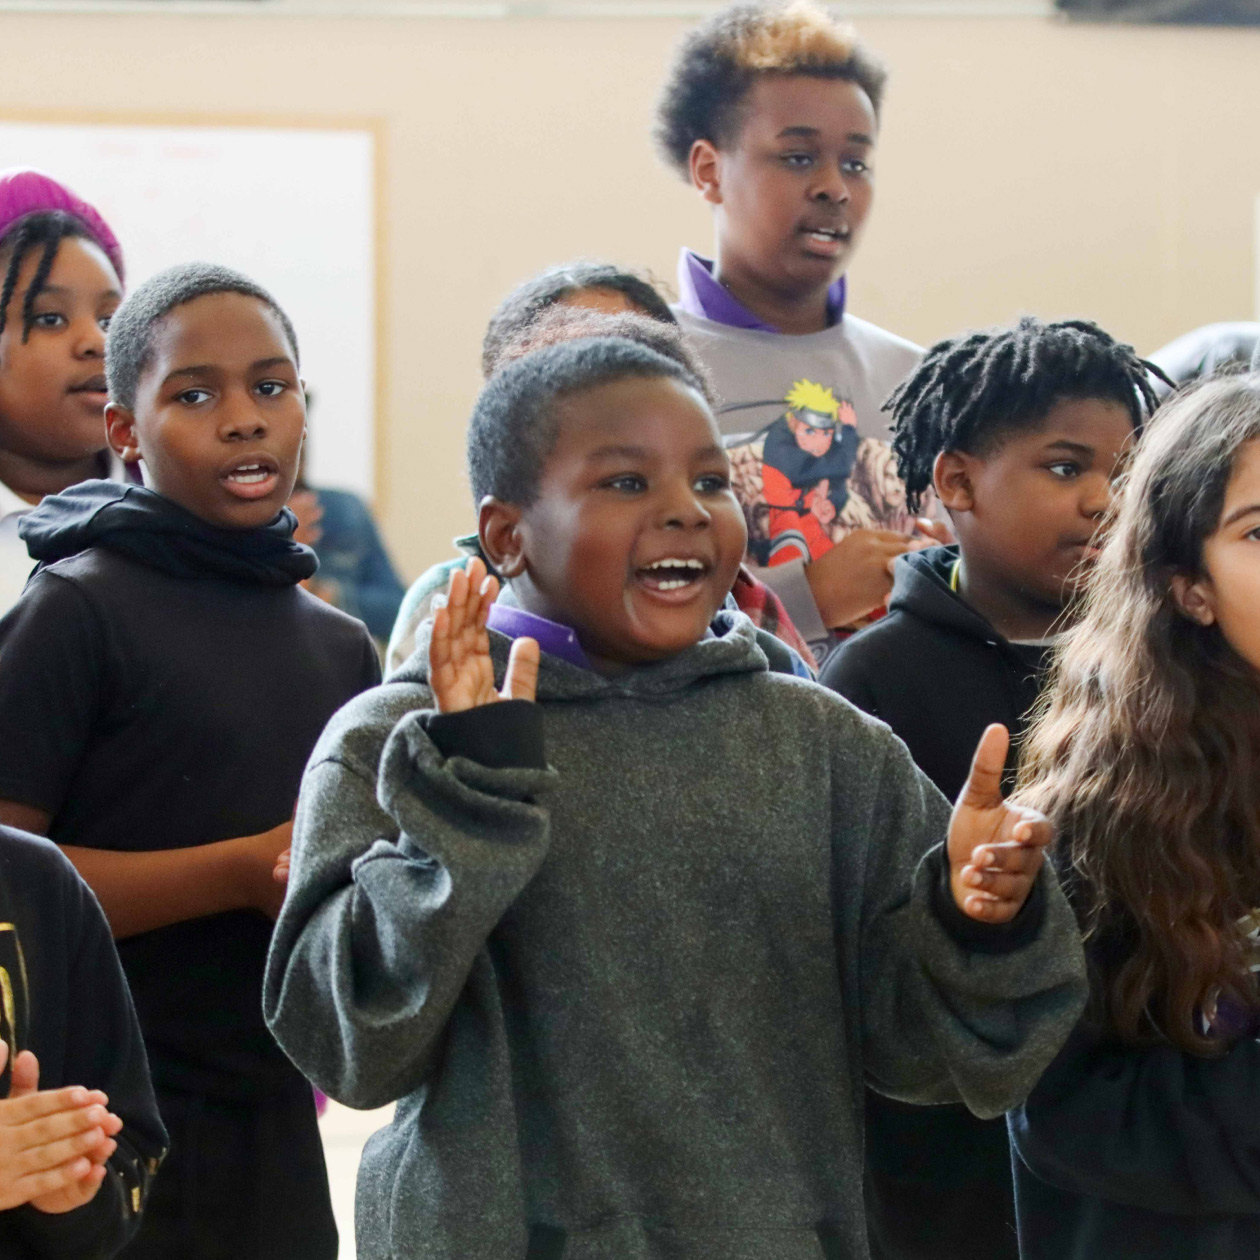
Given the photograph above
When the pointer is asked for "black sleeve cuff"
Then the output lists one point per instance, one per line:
(507, 735)
(986, 938)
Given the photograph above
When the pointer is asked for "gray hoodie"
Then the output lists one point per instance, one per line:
(627, 1003)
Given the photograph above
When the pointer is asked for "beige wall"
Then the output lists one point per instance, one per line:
(1026, 166)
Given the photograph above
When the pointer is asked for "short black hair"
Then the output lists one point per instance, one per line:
(514, 423)
(968, 391)
(528, 300)
(44, 230)
(718, 62)
(558, 324)
(129, 345)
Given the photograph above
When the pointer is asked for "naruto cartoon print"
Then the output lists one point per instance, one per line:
(807, 478)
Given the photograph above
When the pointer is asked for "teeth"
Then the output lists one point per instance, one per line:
(677, 564)
(250, 475)
(672, 584)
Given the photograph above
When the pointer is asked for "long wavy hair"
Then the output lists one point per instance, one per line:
(1146, 751)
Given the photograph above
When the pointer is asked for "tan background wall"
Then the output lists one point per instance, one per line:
(1026, 166)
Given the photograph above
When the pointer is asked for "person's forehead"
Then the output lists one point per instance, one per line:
(1089, 421)
(839, 108)
(628, 410)
(219, 327)
(79, 264)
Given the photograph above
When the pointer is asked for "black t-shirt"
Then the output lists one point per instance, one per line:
(144, 711)
(65, 999)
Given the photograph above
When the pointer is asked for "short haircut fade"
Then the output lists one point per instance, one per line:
(515, 422)
(129, 344)
(718, 62)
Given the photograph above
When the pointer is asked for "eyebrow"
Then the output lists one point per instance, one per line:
(1238, 513)
(810, 133)
(200, 369)
(642, 452)
(1063, 444)
(62, 291)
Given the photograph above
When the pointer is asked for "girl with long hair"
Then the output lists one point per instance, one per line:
(1143, 1138)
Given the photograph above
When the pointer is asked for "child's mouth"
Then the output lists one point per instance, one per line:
(826, 240)
(673, 579)
(255, 479)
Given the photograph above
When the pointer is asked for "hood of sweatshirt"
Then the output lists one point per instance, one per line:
(731, 647)
(144, 526)
(921, 588)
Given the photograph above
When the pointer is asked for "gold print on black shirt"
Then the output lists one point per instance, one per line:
(14, 999)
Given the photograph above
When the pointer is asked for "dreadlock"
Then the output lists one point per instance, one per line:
(969, 390)
(44, 230)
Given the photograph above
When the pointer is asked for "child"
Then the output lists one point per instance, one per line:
(1021, 431)
(627, 1004)
(518, 328)
(772, 113)
(60, 281)
(163, 680)
(1142, 1139)
(73, 1176)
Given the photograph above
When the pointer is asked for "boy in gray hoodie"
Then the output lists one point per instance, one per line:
(627, 991)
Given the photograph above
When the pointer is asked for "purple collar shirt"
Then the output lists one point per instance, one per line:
(701, 295)
(553, 638)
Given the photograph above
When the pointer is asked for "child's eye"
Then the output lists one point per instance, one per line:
(627, 483)
(193, 397)
(799, 161)
(713, 483)
(104, 322)
(854, 166)
(49, 319)
(1065, 469)
(269, 389)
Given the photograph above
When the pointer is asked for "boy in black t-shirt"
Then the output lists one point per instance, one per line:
(163, 680)
(73, 1175)
(1021, 430)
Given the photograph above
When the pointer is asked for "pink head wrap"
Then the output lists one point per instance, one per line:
(25, 191)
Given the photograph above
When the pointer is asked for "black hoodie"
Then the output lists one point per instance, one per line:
(162, 683)
(65, 999)
(938, 1181)
(936, 671)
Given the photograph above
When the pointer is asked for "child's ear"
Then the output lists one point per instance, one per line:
(1195, 598)
(120, 432)
(498, 528)
(951, 476)
(705, 164)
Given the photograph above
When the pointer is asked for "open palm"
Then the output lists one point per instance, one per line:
(461, 670)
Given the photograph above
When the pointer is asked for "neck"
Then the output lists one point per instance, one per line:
(1014, 613)
(793, 313)
(32, 479)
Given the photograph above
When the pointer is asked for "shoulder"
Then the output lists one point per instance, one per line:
(875, 647)
(882, 348)
(357, 734)
(36, 875)
(343, 507)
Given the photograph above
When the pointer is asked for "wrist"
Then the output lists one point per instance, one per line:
(241, 872)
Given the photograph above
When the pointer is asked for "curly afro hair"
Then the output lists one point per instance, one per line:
(719, 61)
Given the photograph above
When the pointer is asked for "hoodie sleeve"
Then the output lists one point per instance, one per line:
(53, 663)
(102, 1049)
(954, 1010)
(1151, 1127)
(398, 878)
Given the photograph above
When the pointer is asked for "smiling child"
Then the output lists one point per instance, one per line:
(626, 1005)
(772, 112)
(1022, 431)
(162, 681)
(60, 282)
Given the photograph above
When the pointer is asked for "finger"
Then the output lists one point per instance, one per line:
(25, 1078)
(62, 1151)
(48, 1181)
(457, 602)
(978, 906)
(997, 884)
(488, 592)
(521, 680)
(440, 641)
(1026, 827)
(983, 789)
(37, 1125)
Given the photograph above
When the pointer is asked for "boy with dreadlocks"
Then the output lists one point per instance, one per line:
(60, 281)
(771, 112)
(1021, 431)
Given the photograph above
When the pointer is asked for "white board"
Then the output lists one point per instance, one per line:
(292, 208)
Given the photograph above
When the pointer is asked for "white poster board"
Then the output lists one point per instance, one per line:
(293, 208)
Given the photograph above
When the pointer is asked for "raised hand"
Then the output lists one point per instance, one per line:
(461, 672)
(995, 848)
(53, 1143)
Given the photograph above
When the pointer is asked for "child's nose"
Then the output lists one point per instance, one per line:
(89, 340)
(831, 185)
(684, 510)
(243, 422)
